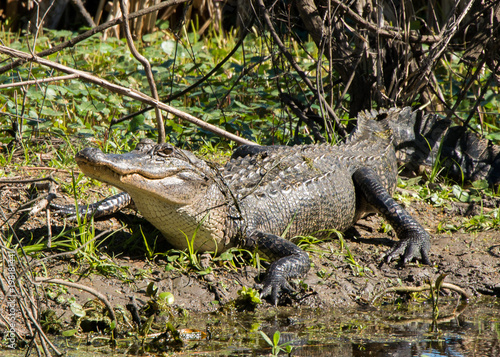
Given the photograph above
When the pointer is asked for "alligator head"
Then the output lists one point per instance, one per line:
(171, 174)
(171, 188)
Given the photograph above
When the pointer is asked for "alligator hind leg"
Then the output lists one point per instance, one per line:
(289, 262)
(414, 240)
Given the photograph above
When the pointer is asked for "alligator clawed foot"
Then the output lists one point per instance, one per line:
(415, 245)
(273, 286)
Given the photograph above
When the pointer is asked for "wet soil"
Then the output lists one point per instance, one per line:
(469, 260)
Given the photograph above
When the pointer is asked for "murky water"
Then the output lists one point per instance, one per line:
(403, 330)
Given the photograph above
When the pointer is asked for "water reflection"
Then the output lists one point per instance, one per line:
(393, 331)
(397, 330)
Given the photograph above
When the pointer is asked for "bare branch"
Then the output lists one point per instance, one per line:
(94, 292)
(147, 68)
(38, 81)
(126, 92)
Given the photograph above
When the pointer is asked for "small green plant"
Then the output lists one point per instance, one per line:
(438, 164)
(249, 297)
(150, 251)
(276, 347)
(355, 266)
(434, 297)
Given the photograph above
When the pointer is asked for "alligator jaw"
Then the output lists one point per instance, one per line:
(139, 173)
(92, 159)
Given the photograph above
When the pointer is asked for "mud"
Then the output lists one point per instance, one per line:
(469, 260)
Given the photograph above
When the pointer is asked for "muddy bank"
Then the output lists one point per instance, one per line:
(121, 270)
(469, 260)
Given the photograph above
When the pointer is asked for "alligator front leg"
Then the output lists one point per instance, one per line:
(289, 262)
(106, 207)
(414, 240)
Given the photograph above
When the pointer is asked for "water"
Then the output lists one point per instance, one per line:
(395, 330)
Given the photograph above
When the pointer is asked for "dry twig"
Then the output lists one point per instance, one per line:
(418, 289)
(38, 81)
(94, 292)
(127, 92)
(147, 68)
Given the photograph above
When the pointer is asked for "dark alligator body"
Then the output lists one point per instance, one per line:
(263, 193)
(422, 140)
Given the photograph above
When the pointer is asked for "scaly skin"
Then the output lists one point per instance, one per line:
(264, 191)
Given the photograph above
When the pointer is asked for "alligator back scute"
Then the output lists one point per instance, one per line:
(319, 203)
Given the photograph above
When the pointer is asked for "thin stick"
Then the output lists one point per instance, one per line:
(126, 92)
(27, 180)
(147, 68)
(46, 168)
(94, 292)
(417, 289)
(37, 81)
(83, 11)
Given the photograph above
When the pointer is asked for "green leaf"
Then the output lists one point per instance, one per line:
(439, 281)
(480, 184)
(77, 309)
(51, 112)
(69, 333)
(266, 338)
(461, 194)
(226, 256)
(276, 338)
(112, 326)
(205, 271)
(167, 297)
(151, 290)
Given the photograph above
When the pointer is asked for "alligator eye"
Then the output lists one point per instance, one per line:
(164, 150)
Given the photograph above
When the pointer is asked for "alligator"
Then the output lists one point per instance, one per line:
(423, 140)
(264, 196)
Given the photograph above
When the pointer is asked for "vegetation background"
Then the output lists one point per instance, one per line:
(71, 75)
(276, 73)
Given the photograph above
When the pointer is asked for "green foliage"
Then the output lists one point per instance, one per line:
(444, 195)
(249, 297)
(450, 75)
(276, 347)
(241, 97)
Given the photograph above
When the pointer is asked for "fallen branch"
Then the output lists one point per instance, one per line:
(94, 292)
(126, 92)
(418, 289)
(38, 81)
